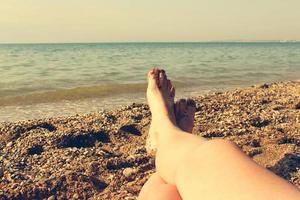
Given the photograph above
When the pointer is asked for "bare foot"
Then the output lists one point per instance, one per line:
(185, 114)
(184, 111)
(160, 96)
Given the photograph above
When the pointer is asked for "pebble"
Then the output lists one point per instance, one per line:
(51, 197)
(9, 144)
(128, 172)
(75, 196)
(1, 172)
(77, 168)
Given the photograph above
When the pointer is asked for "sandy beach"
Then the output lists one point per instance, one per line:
(102, 156)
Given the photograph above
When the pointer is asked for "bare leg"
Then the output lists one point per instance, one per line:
(164, 126)
(156, 188)
(204, 169)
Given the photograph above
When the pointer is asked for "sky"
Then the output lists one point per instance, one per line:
(39, 21)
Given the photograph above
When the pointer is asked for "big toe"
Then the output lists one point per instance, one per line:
(153, 78)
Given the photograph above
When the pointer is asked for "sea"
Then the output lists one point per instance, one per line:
(50, 80)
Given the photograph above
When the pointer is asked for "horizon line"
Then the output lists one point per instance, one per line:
(124, 42)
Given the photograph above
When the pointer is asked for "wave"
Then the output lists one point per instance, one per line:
(75, 94)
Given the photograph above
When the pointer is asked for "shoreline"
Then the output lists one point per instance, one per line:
(32, 107)
(102, 155)
(30, 110)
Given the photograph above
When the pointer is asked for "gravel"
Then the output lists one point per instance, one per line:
(102, 155)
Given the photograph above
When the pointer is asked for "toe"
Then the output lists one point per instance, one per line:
(151, 73)
(171, 88)
(177, 109)
(152, 78)
(156, 74)
(191, 103)
(172, 92)
(163, 79)
(169, 85)
(182, 105)
(191, 106)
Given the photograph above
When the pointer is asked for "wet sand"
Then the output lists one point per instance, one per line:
(102, 155)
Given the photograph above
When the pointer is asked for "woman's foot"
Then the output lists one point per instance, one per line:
(184, 115)
(160, 96)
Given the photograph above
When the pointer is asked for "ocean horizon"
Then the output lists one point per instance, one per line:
(149, 42)
(46, 80)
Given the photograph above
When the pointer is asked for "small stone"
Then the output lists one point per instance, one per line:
(280, 130)
(1, 172)
(266, 85)
(265, 101)
(51, 197)
(130, 129)
(297, 106)
(93, 168)
(128, 172)
(255, 143)
(75, 196)
(9, 144)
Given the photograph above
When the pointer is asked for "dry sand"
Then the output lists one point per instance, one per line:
(102, 155)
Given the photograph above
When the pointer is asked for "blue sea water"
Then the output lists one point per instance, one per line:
(44, 80)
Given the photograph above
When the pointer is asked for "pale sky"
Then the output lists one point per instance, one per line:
(30, 21)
